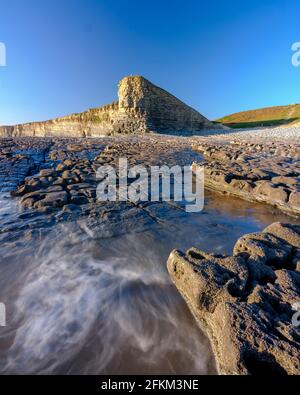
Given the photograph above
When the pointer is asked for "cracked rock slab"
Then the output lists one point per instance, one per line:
(246, 302)
(258, 172)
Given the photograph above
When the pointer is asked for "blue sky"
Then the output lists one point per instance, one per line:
(219, 56)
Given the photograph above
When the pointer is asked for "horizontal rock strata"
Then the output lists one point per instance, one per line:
(141, 107)
(262, 172)
(247, 302)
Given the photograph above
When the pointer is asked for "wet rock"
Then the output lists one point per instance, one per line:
(30, 198)
(47, 173)
(79, 200)
(17, 160)
(71, 208)
(59, 181)
(53, 199)
(76, 187)
(61, 167)
(247, 316)
(66, 175)
(68, 163)
(255, 172)
(24, 189)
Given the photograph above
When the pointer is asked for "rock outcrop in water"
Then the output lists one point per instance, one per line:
(142, 107)
(247, 302)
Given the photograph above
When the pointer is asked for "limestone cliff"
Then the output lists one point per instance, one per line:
(142, 107)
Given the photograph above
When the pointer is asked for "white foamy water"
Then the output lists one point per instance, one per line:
(8, 207)
(113, 303)
(78, 304)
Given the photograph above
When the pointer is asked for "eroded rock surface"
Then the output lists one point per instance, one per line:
(18, 159)
(263, 172)
(68, 176)
(246, 302)
(61, 185)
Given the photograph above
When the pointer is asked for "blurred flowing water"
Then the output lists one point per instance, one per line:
(79, 303)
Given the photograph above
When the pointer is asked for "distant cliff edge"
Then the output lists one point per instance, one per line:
(142, 107)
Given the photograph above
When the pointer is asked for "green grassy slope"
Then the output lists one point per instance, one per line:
(270, 116)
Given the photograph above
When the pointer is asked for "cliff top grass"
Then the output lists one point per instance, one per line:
(269, 116)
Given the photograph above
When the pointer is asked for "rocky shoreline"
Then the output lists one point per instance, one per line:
(262, 172)
(67, 179)
(60, 185)
(246, 302)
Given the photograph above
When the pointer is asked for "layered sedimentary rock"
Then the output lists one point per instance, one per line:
(19, 159)
(141, 107)
(247, 303)
(262, 172)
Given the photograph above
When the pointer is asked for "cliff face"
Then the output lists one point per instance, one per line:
(162, 111)
(142, 107)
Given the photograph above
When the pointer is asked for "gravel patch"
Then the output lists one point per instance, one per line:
(277, 133)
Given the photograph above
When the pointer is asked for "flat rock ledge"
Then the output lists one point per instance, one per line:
(258, 172)
(247, 302)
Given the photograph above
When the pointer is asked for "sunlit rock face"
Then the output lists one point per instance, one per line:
(160, 110)
(142, 107)
(247, 303)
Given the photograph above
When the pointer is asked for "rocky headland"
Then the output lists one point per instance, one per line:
(141, 107)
